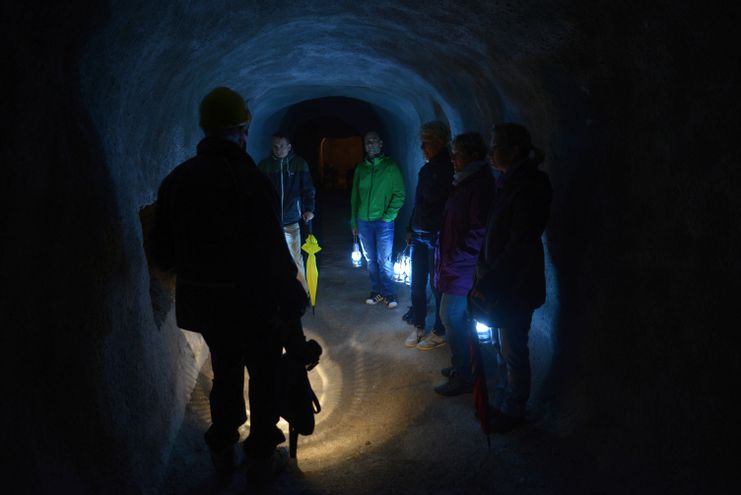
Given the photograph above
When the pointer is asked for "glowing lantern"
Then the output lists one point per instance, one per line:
(483, 332)
(403, 267)
(356, 256)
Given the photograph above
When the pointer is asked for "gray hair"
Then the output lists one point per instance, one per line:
(436, 130)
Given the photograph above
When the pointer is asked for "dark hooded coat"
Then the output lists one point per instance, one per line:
(510, 271)
(216, 226)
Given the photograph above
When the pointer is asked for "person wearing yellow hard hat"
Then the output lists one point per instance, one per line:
(216, 227)
(224, 113)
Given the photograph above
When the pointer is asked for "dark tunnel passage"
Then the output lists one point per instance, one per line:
(308, 121)
(634, 103)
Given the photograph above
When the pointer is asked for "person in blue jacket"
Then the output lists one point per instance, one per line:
(291, 178)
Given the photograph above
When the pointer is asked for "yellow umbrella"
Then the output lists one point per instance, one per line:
(311, 246)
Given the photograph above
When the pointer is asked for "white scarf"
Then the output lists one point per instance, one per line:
(469, 169)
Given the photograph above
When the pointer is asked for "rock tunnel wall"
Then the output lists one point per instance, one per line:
(635, 104)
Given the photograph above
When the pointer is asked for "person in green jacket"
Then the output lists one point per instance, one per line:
(377, 195)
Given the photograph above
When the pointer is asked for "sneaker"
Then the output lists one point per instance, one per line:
(374, 299)
(391, 302)
(504, 423)
(455, 386)
(431, 341)
(413, 339)
(446, 372)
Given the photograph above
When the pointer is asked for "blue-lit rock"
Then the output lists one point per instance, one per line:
(635, 103)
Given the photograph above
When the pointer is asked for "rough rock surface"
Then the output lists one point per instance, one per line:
(635, 103)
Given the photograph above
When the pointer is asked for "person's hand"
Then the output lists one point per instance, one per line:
(308, 216)
(478, 307)
(475, 294)
(305, 352)
(354, 232)
(409, 238)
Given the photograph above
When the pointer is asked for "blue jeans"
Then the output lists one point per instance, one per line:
(512, 365)
(377, 241)
(459, 331)
(423, 266)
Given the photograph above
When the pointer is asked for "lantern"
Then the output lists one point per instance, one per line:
(356, 256)
(403, 267)
(483, 332)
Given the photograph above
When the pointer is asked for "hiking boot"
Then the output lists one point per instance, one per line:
(408, 316)
(263, 471)
(455, 386)
(504, 423)
(374, 299)
(390, 302)
(226, 460)
(413, 339)
(446, 372)
(431, 341)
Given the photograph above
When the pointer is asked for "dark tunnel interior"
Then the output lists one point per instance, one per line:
(636, 105)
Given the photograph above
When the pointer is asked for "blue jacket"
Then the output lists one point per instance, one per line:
(292, 180)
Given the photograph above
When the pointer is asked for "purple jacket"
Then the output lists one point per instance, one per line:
(463, 231)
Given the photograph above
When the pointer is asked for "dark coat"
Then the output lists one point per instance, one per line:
(462, 233)
(434, 183)
(292, 181)
(216, 226)
(510, 272)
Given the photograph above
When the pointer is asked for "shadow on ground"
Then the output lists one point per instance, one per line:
(382, 428)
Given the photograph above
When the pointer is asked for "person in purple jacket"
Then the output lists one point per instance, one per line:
(461, 236)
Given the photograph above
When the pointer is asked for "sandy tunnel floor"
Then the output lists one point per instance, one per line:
(382, 429)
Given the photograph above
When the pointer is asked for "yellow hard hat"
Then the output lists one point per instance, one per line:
(223, 108)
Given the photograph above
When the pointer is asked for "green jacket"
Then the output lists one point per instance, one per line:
(377, 191)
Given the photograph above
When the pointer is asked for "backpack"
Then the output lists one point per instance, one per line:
(298, 403)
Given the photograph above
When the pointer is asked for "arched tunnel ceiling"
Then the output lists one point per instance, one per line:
(417, 61)
(635, 103)
(401, 117)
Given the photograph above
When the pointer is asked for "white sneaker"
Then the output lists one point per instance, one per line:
(391, 304)
(374, 299)
(413, 339)
(431, 341)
